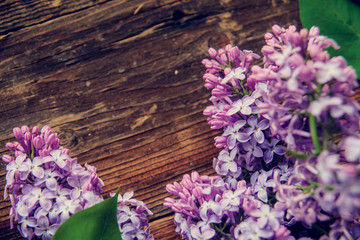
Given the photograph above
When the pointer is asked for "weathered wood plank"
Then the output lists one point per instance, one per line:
(122, 84)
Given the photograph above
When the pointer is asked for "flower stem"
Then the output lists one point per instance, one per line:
(243, 88)
(219, 231)
(314, 134)
(297, 154)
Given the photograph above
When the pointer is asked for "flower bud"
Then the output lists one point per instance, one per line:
(10, 146)
(38, 142)
(282, 233)
(35, 130)
(304, 33)
(18, 133)
(314, 31)
(220, 141)
(67, 152)
(187, 184)
(87, 187)
(195, 176)
(277, 30)
(50, 140)
(7, 158)
(212, 52)
(27, 137)
(25, 129)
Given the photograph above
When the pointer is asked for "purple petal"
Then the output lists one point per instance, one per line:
(43, 222)
(195, 232)
(259, 136)
(261, 222)
(242, 137)
(247, 101)
(73, 181)
(246, 110)
(51, 184)
(20, 159)
(232, 111)
(262, 195)
(268, 156)
(231, 142)
(274, 223)
(239, 124)
(233, 167)
(10, 177)
(123, 217)
(38, 172)
(37, 161)
(263, 124)
(252, 121)
(30, 200)
(208, 233)
(75, 193)
(280, 150)
(257, 152)
(52, 229)
(45, 204)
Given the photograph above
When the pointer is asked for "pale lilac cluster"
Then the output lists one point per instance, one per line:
(246, 140)
(132, 220)
(302, 79)
(46, 186)
(307, 103)
(283, 173)
(213, 208)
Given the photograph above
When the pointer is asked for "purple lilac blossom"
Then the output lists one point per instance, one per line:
(46, 186)
(289, 180)
(208, 204)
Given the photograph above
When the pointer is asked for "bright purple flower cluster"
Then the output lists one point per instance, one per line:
(132, 220)
(47, 186)
(283, 174)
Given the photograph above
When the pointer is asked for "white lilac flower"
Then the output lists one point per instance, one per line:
(207, 206)
(47, 186)
(241, 106)
(234, 134)
(228, 161)
(202, 233)
(237, 74)
(272, 148)
(327, 71)
(256, 128)
(261, 183)
(352, 149)
(45, 230)
(266, 216)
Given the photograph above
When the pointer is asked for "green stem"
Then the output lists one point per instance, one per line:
(313, 128)
(242, 86)
(297, 154)
(32, 152)
(219, 231)
(314, 134)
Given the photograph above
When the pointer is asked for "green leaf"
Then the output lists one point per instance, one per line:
(339, 20)
(95, 223)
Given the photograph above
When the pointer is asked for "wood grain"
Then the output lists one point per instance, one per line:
(121, 83)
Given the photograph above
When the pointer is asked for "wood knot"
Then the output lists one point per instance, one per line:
(68, 138)
(178, 15)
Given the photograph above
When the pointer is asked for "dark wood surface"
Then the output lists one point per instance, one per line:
(121, 83)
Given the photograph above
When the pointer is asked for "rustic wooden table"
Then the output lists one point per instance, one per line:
(121, 83)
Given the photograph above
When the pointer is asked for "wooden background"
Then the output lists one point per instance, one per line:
(121, 84)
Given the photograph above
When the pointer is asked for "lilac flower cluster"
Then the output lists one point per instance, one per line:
(47, 186)
(283, 174)
(214, 208)
(132, 220)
